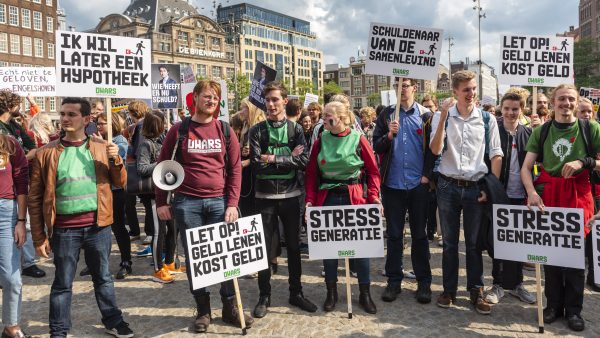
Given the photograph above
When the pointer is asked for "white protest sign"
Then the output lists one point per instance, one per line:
(404, 51)
(388, 97)
(527, 60)
(224, 105)
(353, 231)
(97, 65)
(595, 233)
(553, 237)
(310, 98)
(592, 94)
(37, 81)
(222, 251)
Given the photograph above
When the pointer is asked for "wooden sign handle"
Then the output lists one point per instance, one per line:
(348, 289)
(109, 120)
(538, 284)
(238, 300)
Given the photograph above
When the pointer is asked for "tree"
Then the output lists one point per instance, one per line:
(303, 87)
(332, 87)
(586, 63)
(374, 99)
(242, 90)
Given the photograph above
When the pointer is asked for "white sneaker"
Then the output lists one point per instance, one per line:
(441, 243)
(409, 274)
(494, 294)
(147, 240)
(524, 295)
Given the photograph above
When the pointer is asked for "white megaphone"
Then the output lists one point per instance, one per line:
(168, 175)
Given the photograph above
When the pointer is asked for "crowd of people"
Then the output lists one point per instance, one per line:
(72, 187)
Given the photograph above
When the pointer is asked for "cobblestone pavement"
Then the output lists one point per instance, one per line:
(156, 310)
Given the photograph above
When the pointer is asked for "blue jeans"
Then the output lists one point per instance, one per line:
(396, 203)
(66, 244)
(192, 212)
(10, 264)
(451, 200)
(361, 265)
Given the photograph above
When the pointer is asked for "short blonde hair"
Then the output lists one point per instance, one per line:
(137, 109)
(342, 98)
(367, 112)
(586, 100)
(342, 112)
(462, 76)
(564, 86)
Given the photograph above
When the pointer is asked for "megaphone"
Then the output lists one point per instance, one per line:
(168, 175)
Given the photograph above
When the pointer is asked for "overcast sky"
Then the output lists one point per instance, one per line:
(342, 25)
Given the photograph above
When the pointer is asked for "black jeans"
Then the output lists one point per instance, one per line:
(131, 214)
(589, 254)
(287, 209)
(507, 274)
(148, 218)
(564, 289)
(118, 226)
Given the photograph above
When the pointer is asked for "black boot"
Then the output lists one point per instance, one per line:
(332, 296)
(231, 313)
(203, 316)
(124, 270)
(364, 299)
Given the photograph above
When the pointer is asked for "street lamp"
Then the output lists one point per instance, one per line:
(233, 32)
(450, 44)
(478, 8)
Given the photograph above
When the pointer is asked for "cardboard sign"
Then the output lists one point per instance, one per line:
(224, 105)
(222, 251)
(388, 97)
(187, 75)
(404, 51)
(528, 60)
(97, 65)
(554, 237)
(353, 231)
(310, 98)
(263, 74)
(37, 81)
(595, 233)
(593, 95)
(166, 86)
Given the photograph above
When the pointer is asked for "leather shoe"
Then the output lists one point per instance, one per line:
(424, 294)
(124, 271)
(260, 310)
(576, 323)
(551, 314)
(33, 271)
(302, 302)
(391, 292)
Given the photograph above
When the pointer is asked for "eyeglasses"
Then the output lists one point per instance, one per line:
(211, 98)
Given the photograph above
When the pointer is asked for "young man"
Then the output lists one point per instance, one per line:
(210, 190)
(277, 151)
(70, 206)
(508, 275)
(399, 141)
(563, 182)
(459, 136)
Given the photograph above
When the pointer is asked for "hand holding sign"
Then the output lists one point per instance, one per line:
(534, 200)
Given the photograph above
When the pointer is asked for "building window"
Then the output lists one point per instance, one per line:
(49, 3)
(181, 35)
(256, 43)
(165, 47)
(15, 64)
(201, 71)
(49, 24)
(216, 42)
(39, 48)
(216, 71)
(25, 18)
(3, 64)
(230, 72)
(52, 104)
(41, 102)
(2, 13)
(357, 103)
(27, 46)
(248, 41)
(37, 1)
(15, 44)
(13, 16)
(50, 50)
(37, 21)
(357, 90)
(199, 39)
(248, 53)
(3, 43)
(264, 45)
(229, 56)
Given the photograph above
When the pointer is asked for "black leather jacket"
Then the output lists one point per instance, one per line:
(259, 140)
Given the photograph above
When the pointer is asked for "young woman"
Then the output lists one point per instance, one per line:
(307, 126)
(163, 239)
(118, 227)
(347, 152)
(14, 180)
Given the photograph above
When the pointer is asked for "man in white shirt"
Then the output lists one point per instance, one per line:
(459, 136)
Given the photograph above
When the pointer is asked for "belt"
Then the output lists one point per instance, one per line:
(343, 190)
(460, 183)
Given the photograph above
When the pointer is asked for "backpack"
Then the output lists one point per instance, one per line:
(183, 130)
(586, 135)
(486, 125)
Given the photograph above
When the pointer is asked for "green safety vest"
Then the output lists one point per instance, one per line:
(338, 159)
(278, 145)
(76, 189)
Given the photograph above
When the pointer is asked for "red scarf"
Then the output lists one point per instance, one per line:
(574, 192)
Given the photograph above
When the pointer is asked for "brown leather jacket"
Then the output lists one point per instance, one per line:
(42, 192)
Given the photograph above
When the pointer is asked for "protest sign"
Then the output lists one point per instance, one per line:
(187, 75)
(404, 51)
(222, 251)
(553, 237)
(388, 97)
(310, 98)
(527, 60)
(595, 233)
(37, 81)
(224, 104)
(593, 95)
(187, 90)
(97, 65)
(353, 231)
(166, 86)
(263, 74)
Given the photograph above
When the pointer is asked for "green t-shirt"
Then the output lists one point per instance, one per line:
(563, 145)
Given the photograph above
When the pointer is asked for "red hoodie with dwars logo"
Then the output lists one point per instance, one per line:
(203, 160)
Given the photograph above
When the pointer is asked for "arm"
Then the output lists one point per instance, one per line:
(144, 163)
(370, 166)
(495, 146)
(438, 133)
(20, 175)
(311, 175)
(381, 139)
(35, 203)
(116, 169)
(294, 161)
(263, 167)
(496, 166)
(234, 174)
(28, 143)
(533, 199)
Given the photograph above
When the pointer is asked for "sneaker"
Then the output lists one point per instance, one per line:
(122, 330)
(524, 295)
(134, 237)
(446, 299)
(162, 276)
(144, 253)
(409, 274)
(494, 294)
(147, 240)
(441, 243)
(353, 274)
(173, 270)
(481, 305)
